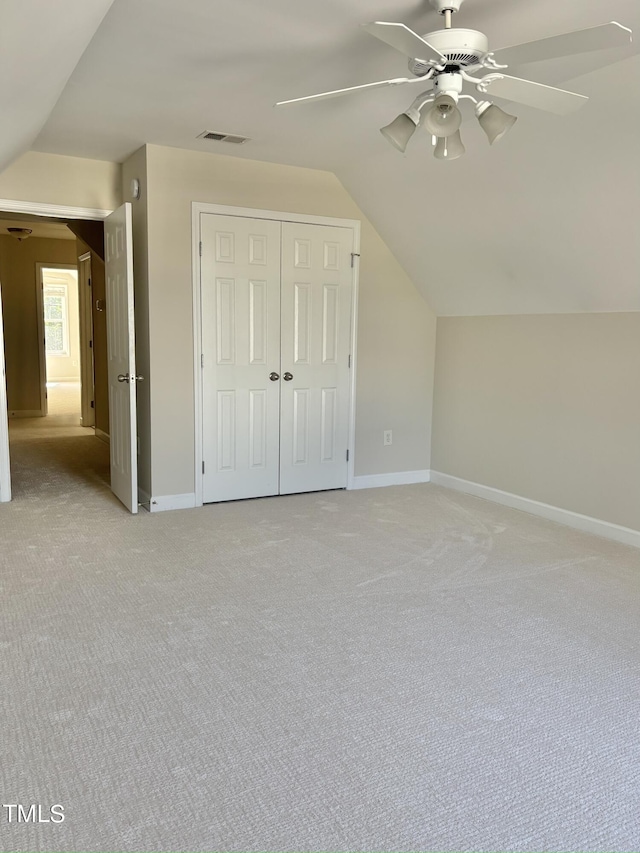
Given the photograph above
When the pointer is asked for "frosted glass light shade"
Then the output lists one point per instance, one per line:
(444, 118)
(399, 132)
(449, 147)
(495, 122)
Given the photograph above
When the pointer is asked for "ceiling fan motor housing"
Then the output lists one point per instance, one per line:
(462, 48)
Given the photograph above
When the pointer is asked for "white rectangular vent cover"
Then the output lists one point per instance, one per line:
(221, 137)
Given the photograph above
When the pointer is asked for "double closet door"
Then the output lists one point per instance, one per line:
(276, 336)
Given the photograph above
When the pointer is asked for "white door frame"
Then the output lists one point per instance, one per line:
(198, 208)
(41, 209)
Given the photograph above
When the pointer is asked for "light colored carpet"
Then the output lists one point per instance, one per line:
(395, 669)
(63, 398)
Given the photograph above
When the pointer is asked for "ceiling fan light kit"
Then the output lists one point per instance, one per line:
(449, 147)
(444, 118)
(400, 131)
(494, 121)
(447, 60)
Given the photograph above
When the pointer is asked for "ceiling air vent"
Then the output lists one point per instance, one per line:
(221, 137)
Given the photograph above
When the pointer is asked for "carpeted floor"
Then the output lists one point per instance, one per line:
(63, 398)
(395, 669)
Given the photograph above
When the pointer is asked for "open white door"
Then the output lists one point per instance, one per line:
(5, 471)
(121, 356)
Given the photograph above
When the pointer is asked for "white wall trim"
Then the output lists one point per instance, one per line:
(161, 503)
(397, 478)
(197, 208)
(26, 413)
(58, 210)
(103, 436)
(553, 513)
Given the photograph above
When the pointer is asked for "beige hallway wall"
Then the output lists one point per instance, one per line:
(543, 406)
(19, 286)
(396, 328)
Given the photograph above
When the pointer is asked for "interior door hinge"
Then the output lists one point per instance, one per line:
(89, 282)
(200, 249)
(90, 344)
(349, 359)
(354, 255)
(347, 455)
(203, 467)
(201, 359)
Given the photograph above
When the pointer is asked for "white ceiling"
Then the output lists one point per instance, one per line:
(40, 44)
(543, 221)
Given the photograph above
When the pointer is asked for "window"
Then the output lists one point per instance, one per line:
(56, 320)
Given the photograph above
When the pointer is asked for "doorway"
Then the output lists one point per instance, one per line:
(58, 296)
(26, 369)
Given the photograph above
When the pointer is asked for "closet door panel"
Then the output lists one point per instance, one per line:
(316, 334)
(240, 289)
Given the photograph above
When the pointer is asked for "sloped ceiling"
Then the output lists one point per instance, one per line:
(40, 44)
(543, 221)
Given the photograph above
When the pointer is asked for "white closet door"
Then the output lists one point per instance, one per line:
(241, 351)
(316, 314)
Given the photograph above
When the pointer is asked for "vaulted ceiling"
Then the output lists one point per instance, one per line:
(543, 221)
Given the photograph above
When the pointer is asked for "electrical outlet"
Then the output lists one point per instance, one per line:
(387, 437)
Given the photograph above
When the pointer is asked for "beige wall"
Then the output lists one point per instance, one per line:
(396, 329)
(543, 406)
(66, 367)
(18, 279)
(56, 179)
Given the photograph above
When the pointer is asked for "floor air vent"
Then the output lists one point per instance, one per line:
(221, 137)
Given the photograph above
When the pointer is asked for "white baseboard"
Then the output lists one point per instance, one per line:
(397, 478)
(563, 516)
(26, 413)
(103, 436)
(160, 503)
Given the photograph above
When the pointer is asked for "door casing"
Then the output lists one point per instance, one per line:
(198, 208)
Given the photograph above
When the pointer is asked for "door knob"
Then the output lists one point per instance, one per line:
(123, 377)
(273, 376)
(288, 376)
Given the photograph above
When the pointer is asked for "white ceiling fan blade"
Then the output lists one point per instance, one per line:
(336, 93)
(404, 40)
(567, 44)
(532, 94)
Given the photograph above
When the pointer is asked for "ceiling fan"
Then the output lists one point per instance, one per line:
(450, 60)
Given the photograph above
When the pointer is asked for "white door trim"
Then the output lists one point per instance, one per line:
(8, 205)
(198, 208)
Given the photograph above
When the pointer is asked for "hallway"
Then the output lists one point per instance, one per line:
(54, 458)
